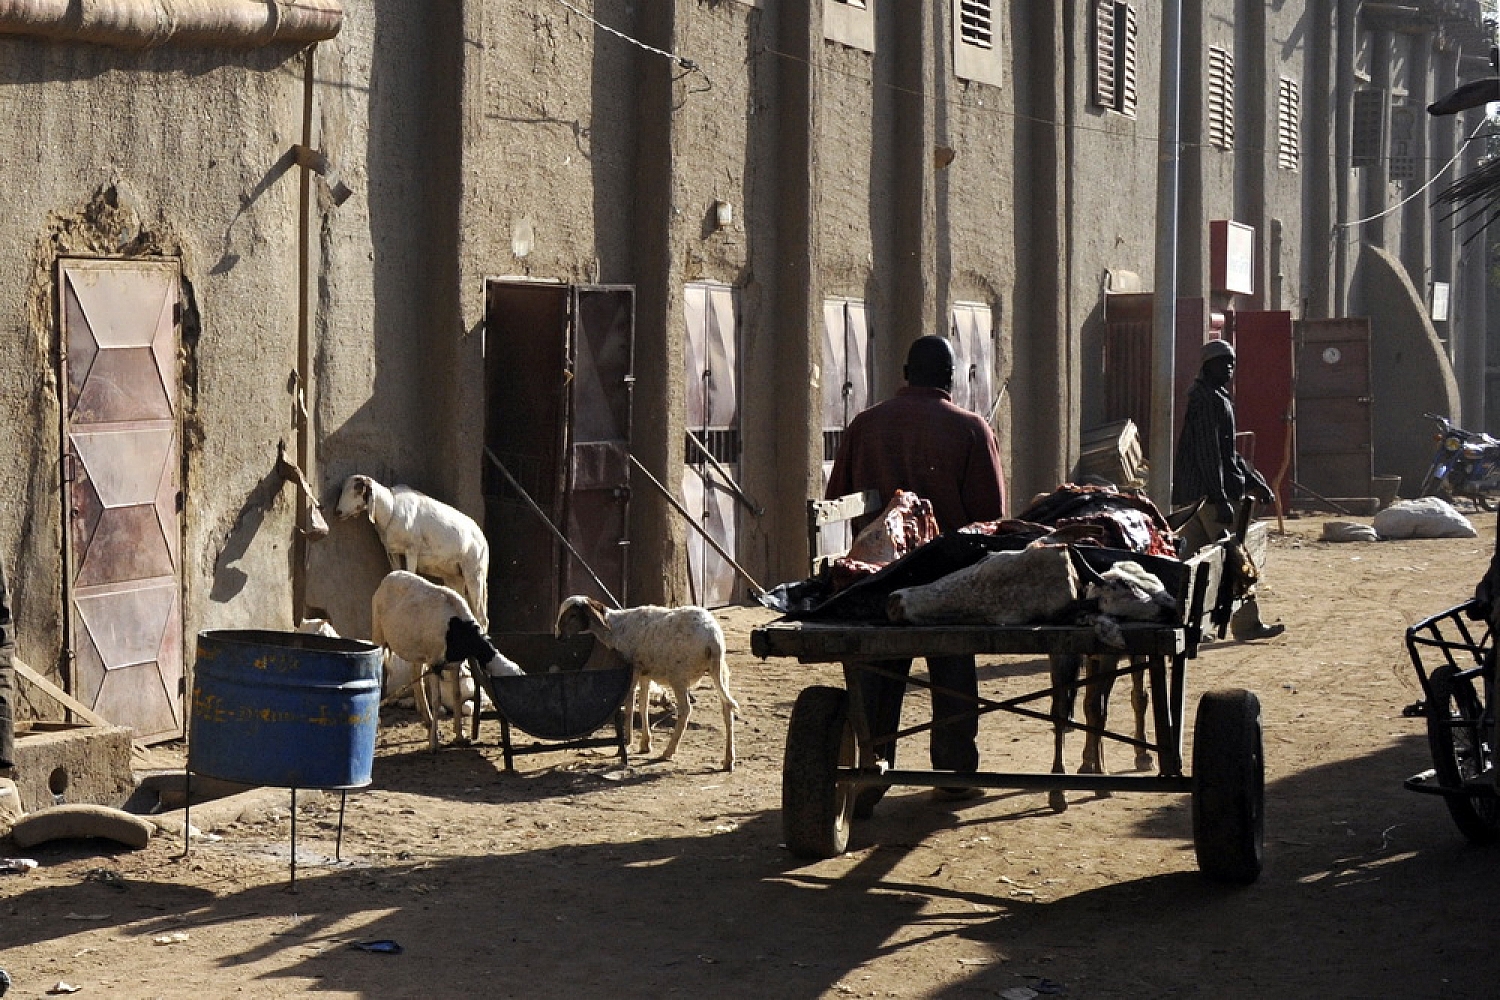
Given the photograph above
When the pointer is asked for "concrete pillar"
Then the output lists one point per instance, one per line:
(1416, 214)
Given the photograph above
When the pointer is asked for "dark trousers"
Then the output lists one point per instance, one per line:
(951, 745)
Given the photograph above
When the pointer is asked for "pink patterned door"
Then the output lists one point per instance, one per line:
(121, 454)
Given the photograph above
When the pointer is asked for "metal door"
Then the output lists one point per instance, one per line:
(1263, 393)
(974, 358)
(121, 448)
(558, 376)
(1333, 428)
(598, 484)
(846, 391)
(712, 394)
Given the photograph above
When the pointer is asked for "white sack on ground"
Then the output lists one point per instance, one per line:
(1427, 517)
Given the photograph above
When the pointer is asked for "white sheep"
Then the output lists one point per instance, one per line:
(675, 647)
(399, 677)
(431, 626)
(424, 535)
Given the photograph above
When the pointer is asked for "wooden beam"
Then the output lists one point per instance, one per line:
(60, 696)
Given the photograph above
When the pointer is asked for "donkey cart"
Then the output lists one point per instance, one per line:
(830, 752)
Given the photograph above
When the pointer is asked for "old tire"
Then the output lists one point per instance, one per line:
(1229, 787)
(1462, 745)
(815, 808)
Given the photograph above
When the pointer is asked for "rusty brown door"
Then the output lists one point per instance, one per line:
(1333, 427)
(558, 378)
(119, 332)
(598, 485)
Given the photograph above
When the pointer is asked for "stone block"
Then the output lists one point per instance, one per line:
(58, 762)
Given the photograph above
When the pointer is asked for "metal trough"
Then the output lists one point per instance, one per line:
(572, 687)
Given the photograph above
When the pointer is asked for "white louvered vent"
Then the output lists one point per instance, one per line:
(1288, 125)
(976, 22)
(1220, 98)
(1115, 56)
(1104, 53)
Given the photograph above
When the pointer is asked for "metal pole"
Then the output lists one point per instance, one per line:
(1164, 305)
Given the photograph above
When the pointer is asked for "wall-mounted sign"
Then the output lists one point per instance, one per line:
(1439, 301)
(1231, 253)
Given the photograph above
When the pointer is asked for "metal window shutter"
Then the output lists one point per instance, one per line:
(1220, 98)
(1369, 127)
(1404, 135)
(976, 23)
(1127, 59)
(1104, 53)
(1288, 125)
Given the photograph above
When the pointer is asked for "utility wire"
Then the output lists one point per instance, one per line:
(682, 61)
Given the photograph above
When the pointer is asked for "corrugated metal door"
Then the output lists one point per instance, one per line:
(846, 390)
(119, 330)
(1333, 429)
(974, 358)
(598, 491)
(712, 373)
(1263, 393)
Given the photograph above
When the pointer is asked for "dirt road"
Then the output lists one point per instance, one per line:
(573, 878)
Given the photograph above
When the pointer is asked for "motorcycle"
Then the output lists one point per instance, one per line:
(1466, 464)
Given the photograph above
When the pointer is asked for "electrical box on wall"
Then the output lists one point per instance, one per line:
(1231, 254)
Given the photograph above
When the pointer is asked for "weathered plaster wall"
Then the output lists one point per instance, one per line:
(1112, 225)
(397, 374)
(166, 152)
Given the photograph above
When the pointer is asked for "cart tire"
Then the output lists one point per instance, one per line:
(1229, 787)
(1487, 502)
(1461, 744)
(815, 809)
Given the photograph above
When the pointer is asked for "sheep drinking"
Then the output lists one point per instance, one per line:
(431, 626)
(675, 647)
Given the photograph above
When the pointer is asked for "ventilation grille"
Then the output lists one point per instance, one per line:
(1220, 98)
(1288, 125)
(975, 23)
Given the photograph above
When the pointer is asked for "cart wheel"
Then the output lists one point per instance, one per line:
(1229, 786)
(1487, 502)
(1461, 751)
(815, 808)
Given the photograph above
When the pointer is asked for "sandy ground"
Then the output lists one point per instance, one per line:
(573, 877)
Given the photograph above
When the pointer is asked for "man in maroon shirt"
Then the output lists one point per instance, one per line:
(920, 441)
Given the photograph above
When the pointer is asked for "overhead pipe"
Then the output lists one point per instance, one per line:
(144, 24)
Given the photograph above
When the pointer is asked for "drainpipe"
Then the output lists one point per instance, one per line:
(151, 23)
(1164, 304)
(1343, 150)
(304, 345)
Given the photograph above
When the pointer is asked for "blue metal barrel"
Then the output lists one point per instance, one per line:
(284, 709)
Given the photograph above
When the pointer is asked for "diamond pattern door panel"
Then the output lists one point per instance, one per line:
(124, 525)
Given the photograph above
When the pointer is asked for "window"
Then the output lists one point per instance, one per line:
(1220, 98)
(1114, 56)
(850, 22)
(976, 42)
(1288, 125)
(1405, 126)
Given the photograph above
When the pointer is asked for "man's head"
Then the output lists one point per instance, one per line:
(929, 363)
(1218, 361)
